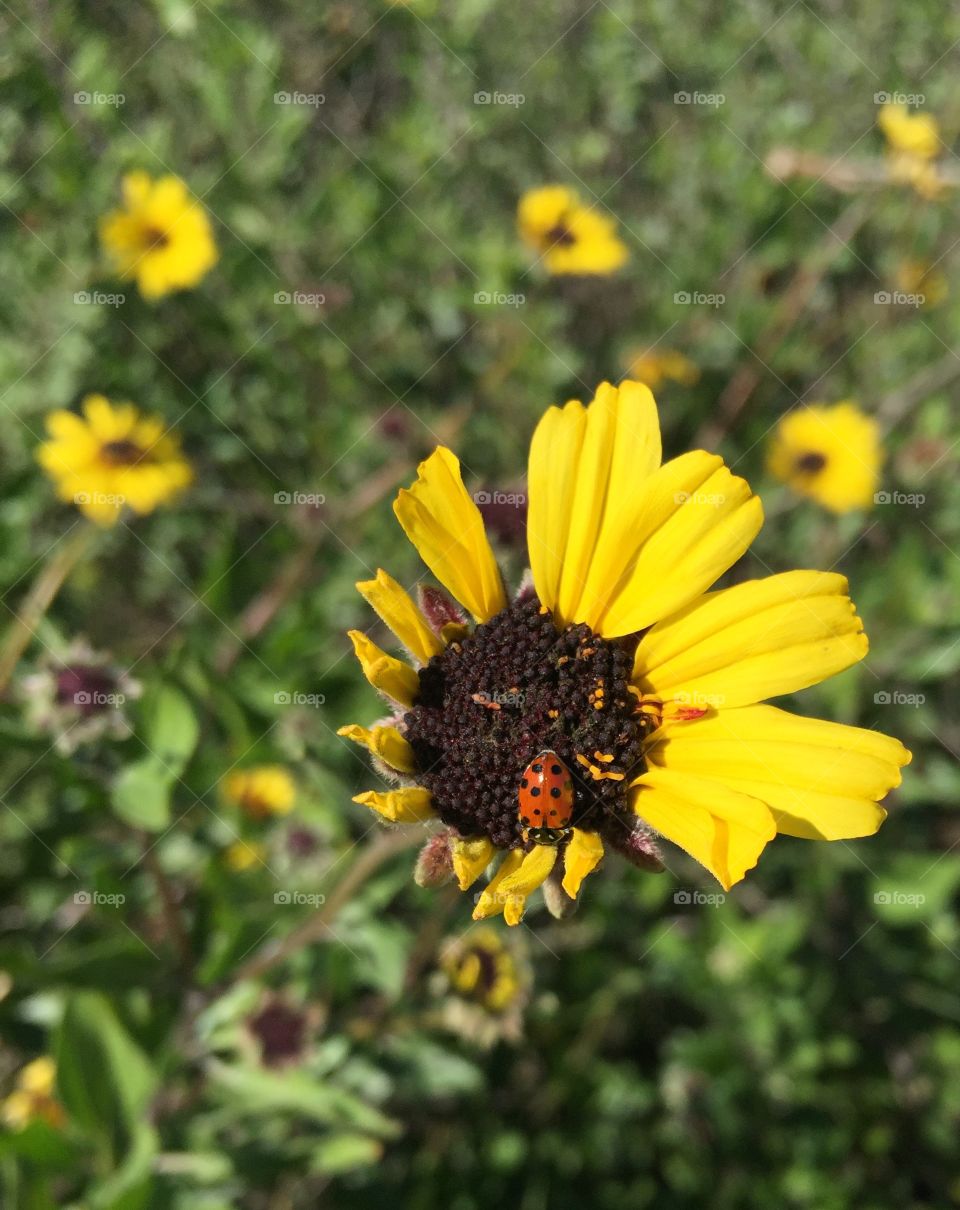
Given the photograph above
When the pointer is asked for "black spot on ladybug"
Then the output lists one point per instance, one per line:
(535, 791)
(538, 768)
(524, 783)
(537, 811)
(555, 770)
(555, 792)
(553, 811)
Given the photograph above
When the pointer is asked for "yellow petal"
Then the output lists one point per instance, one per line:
(583, 854)
(445, 525)
(471, 856)
(722, 828)
(821, 780)
(401, 614)
(697, 520)
(412, 804)
(587, 471)
(392, 677)
(525, 879)
(385, 742)
(756, 640)
(491, 903)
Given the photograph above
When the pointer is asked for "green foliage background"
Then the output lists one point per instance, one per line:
(797, 1045)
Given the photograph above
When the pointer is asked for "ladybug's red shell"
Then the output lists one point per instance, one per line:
(545, 795)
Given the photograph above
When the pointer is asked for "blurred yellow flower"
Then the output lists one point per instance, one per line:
(913, 133)
(161, 236)
(33, 1097)
(920, 277)
(913, 142)
(653, 367)
(570, 237)
(112, 457)
(480, 967)
(830, 453)
(243, 855)
(261, 791)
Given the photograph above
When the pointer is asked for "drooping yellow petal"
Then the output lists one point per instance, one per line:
(583, 854)
(821, 780)
(445, 525)
(471, 856)
(753, 641)
(412, 804)
(525, 879)
(385, 742)
(697, 519)
(401, 614)
(390, 676)
(491, 902)
(587, 469)
(721, 827)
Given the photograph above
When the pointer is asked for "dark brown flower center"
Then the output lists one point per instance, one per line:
(811, 463)
(513, 688)
(154, 238)
(121, 453)
(560, 235)
(91, 690)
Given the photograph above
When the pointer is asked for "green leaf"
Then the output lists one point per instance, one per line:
(103, 1078)
(141, 794)
(170, 728)
(345, 1151)
(128, 1187)
(251, 1091)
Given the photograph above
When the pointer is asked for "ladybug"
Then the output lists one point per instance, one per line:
(545, 798)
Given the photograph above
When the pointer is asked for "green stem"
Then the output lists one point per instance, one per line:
(64, 557)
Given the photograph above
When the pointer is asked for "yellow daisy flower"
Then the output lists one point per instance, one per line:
(243, 855)
(161, 236)
(913, 143)
(571, 238)
(653, 367)
(112, 457)
(481, 968)
(616, 665)
(921, 277)
(912, 133)
(33, 1098)
(261, 791)
(830, 453)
